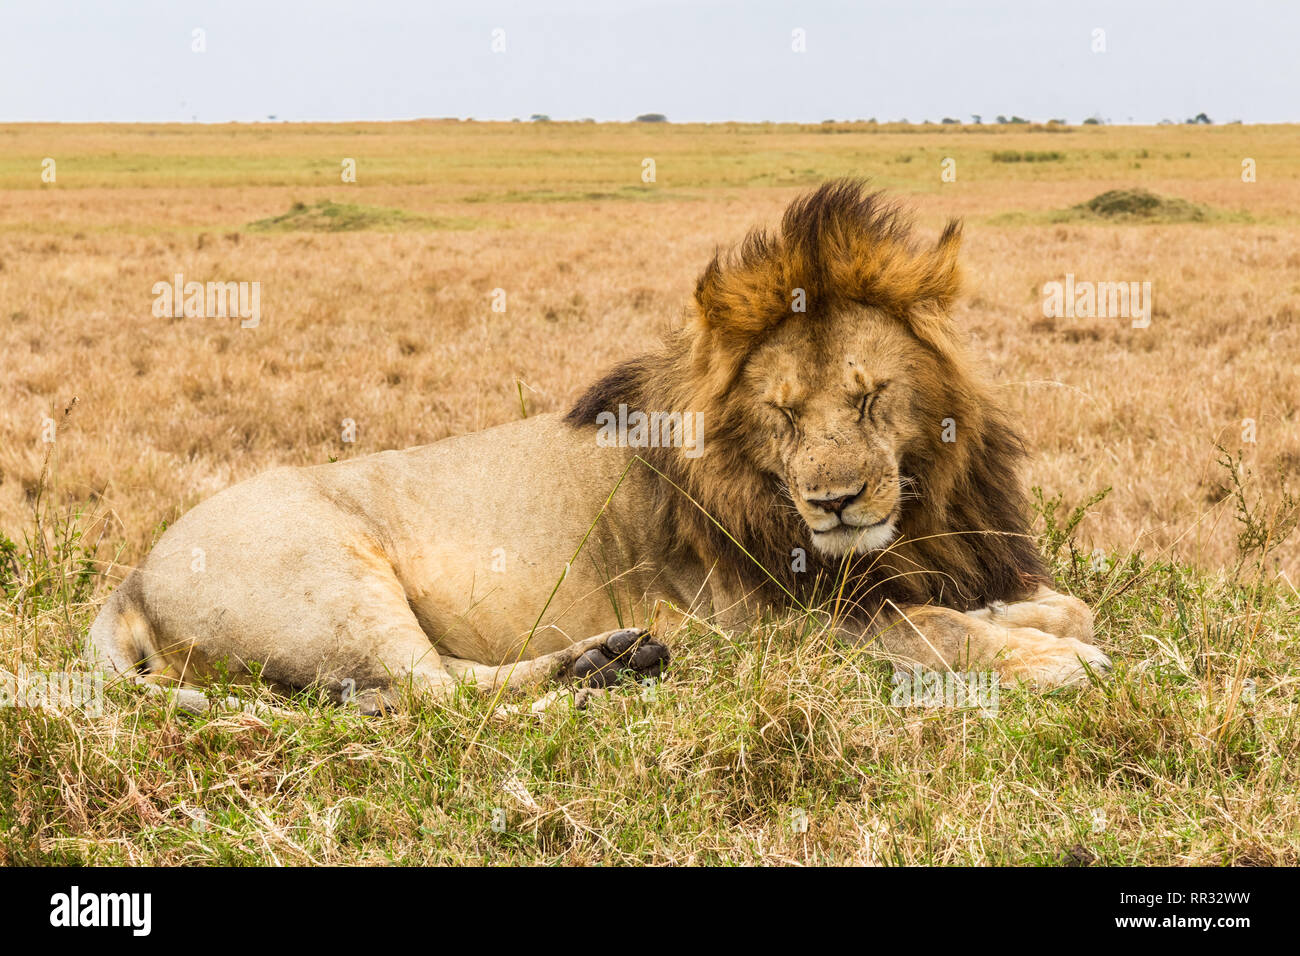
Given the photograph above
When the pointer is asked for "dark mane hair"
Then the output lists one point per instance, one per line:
(963, 539)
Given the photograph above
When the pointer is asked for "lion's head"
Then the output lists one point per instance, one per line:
(841, 414)
(832, 410)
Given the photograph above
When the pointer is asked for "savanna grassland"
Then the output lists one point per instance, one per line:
(1166, 459)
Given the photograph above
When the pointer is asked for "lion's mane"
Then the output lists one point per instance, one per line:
(963, 532)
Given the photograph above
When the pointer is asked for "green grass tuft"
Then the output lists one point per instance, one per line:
(329, 216)
(1027, 156)
(1141, 205)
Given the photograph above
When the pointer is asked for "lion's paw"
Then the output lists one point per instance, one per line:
(608, 655)
(1047, 661)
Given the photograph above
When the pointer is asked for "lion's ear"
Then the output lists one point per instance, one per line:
(715, 356)
(707, 329)
(735, 304)
(928, 315)
(706, 295)
(925, 278)
(945, 269)
(742, 298)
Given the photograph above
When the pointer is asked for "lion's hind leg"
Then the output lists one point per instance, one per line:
(596, 661)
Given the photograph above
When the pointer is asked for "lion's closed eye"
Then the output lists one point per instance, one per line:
(788, 413)
(867, 403)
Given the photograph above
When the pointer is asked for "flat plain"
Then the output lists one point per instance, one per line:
(376, 309)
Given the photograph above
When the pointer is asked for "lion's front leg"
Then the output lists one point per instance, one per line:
(1046, 610)
(941, 638)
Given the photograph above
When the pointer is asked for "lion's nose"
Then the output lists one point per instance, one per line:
(834, 505)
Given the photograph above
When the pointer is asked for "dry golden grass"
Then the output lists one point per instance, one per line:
(392, 327)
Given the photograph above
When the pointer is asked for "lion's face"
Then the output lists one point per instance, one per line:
(832, 405)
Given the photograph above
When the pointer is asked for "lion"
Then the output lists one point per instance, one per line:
(814, 427)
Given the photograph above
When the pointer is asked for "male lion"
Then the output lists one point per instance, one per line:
(814, 428)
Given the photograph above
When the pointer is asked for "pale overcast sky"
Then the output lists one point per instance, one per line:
(694, 60)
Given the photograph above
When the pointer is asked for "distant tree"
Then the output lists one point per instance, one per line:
(1166, 122)
(1017, 119)
(977, 119)
(540, 118)
(1056, 122)
(1092, 121)
(1002, 120)
(652, 118)
(1201, 118)
(949, 121)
